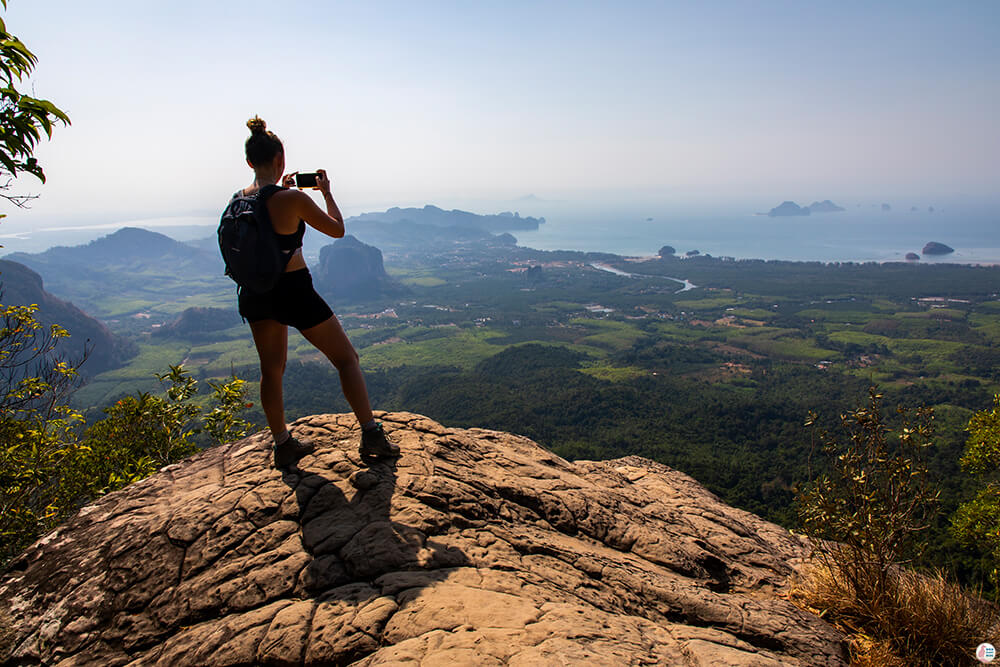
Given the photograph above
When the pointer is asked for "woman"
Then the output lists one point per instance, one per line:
(294, 302)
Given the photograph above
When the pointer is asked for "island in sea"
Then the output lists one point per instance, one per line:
(432, 215)
(790, 208)
(935, 248)
(825, 206)
(787, 208)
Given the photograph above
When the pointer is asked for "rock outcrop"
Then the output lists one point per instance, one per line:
(352, 271)
(935, 248)
(474, 548)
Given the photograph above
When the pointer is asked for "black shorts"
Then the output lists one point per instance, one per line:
(293, 302)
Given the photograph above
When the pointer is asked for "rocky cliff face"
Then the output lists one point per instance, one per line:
(474, 548)
(350, 270)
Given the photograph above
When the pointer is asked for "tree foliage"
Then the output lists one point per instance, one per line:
(143, 433)
(876, 500)
(50, 465)
(977, 522)
(38, 486)
(873, 506)
(23, 118)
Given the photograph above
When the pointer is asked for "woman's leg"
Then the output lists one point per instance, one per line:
(271, 339)
(330, 339)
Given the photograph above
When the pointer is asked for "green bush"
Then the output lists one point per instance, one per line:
(38, 486)
(977, 522)
(876, 499)
(143, 433)
(50, 465)
(867, 514)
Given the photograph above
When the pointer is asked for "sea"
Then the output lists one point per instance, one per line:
(864, 232)
(860, 233)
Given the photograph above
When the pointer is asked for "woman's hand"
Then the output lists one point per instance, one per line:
(322, 181)
(331, 222)
(288, 180)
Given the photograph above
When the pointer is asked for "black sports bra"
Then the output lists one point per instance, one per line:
(291, 242)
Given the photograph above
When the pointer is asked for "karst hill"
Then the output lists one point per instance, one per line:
(474, 548)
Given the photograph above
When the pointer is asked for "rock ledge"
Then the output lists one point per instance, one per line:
(475, 548)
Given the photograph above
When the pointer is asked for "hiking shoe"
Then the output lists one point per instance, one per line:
(374, 443)
(291, 451)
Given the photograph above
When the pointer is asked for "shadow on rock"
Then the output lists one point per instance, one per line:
(348, 530)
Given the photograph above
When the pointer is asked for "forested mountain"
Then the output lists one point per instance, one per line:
(23, 287)
(127, 247)
(129, 259)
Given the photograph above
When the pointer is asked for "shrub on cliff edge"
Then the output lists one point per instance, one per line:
(867, 514)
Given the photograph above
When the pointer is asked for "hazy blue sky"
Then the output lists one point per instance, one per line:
(413, 102)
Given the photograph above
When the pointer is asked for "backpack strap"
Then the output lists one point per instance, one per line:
(265, 192)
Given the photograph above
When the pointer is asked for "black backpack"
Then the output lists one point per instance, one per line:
(248, 243)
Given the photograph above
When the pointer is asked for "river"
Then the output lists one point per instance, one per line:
(687, 285)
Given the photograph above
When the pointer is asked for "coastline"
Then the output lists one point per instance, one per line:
(855, 236)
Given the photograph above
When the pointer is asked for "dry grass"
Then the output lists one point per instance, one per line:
(920, 619)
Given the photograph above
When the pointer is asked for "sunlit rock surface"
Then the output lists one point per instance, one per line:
(474, 548)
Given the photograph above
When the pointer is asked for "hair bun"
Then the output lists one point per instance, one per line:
(257, 125)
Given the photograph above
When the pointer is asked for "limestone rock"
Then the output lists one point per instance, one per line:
(474, 548)
(350, 270)
(935, 248)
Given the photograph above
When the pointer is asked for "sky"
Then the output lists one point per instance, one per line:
(406, 103)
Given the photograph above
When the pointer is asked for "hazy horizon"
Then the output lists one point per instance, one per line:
(637, 227)
(730, 105)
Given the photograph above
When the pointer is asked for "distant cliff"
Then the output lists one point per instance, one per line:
(350, 270)
(476, 548)
(22, 287)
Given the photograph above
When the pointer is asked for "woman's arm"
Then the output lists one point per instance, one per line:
(330, 222)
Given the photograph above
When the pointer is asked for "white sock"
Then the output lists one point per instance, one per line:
(282, 438)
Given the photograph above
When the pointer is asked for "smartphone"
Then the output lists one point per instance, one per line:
(307, 180)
